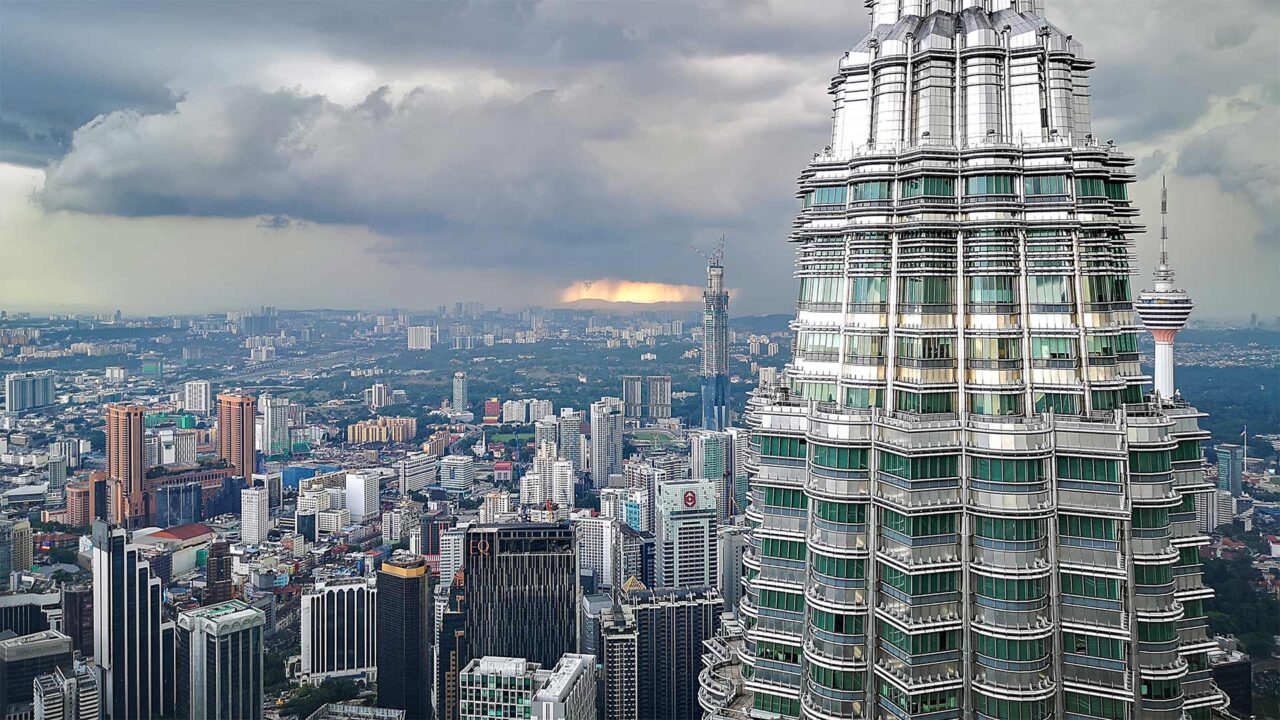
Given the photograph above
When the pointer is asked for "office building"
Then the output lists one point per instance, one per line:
(125, 464)
(236, 433)
(658, 401)
(68, 693)
(709, 460)
(129, 632)
(416, 471)
(569, 440)
(686, 534)
(23, 547)
(362, 495)
(255, 515)
(497, 687)
(339, 629)
(377, 395)
(963, 502)
(77, 617)
(420, 337)
(643, 478)
(450, 653)
(458, 473)
(525, 571)
(1165, 310)
(24, 658)
(219, 662)
(29, 390)
(274, 483)
(197, 397)
(731, 544)
(606, 441)
(383, 429)
(546, 435)
(404, 635)
(219, 584)
(495, 506)
(1231, 468)
(569, 690)
(460, 400)
(275, 424)
(715, 346)
(653, 646)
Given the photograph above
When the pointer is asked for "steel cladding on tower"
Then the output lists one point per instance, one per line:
(715, 346)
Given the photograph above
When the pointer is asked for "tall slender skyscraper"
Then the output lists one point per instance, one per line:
(460, 400)
(1164, 311)
(125, 469)
(129, 631)
(404, 636)
(236, 441)
(715, 346)
(963, 503)
(219, 662)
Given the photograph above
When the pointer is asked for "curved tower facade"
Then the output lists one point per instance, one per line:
(963, 504)
(1165, 310)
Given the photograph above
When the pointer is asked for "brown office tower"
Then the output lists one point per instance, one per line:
(124, 464)
(218, 574)
(235, 433)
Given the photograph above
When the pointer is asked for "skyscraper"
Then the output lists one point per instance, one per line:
(460, 400)
(709, 459)
(236, 441)
(68, 693)
(715, 346)
(686, 534)
(255, 515)
(125, 469)
(653, 652)
(197, 397)
(458, 473)
(28, 390)
(1230, 468)
(1164, 311)
(420, 337)
(275, 424)
(404, 635)
(570, 437)
(24, 658)
(633, 396)
(606, 441)
(218, 581)
(522, 591)
(129, 631)
(659, 400)
(219, 662)
(963, 505)
(339, 629)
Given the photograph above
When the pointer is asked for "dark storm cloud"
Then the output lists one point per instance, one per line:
(581, 139)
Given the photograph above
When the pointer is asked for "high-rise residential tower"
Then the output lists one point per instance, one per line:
(715, 346)
(27, 390)
(606, 441)
(125, 464)
(963, 503)
(1164, 311)
(197, 397)
(236, 437)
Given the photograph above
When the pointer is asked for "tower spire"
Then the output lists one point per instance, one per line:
(1164, 271)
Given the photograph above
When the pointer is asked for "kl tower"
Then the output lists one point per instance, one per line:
(1164, 311)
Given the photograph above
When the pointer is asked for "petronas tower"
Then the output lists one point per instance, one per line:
(965, 503)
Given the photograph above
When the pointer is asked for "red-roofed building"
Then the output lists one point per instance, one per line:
(503, 471)
(492, 411)
(188, 535)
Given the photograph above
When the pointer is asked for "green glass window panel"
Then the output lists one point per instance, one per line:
(1157, 631)
(926, 348)
(1012, 709)
(838, 567)
(1050, 290)
(1010, 648)
(1008, 470)
(838, 623)
(1086, 526)
(1158, 461)
(1090, 187)
(907, 401)
(1091, 586)
(1060, 403)
(782, 549)
(988, 185)
(1117, 190)
(1096, 706)
(822, 392)
(871, 190)
(828, 290)
(862, 397)
(1147, 518)
(785, 497)
(1044, 184)
(781, 600)
(845, 680)
(926, 290)
(864, 346)
(1088, 469)
(829, 195)
(781, 446)
(929, 186)
(868, 290)
(1001, 588)
(1160, 689)
(920, 467)
(919, 525)
(1152, 574)
(840, 458)
(1003, 528)
(1097, 646)
(778, 652)
(995, 348)
(993, 289)
(1187, 450)
(1054, 348)
(841, 512)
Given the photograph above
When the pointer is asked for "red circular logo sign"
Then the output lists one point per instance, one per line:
(690, 498)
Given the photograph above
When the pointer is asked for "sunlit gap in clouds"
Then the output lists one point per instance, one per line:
(615, 290)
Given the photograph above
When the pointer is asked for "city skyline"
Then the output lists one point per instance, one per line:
(99, 200)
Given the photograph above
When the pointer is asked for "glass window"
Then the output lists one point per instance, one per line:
(864, 346)
(1003, 588)
(926, 290)
(1091, 586)
(926, 348)
(781, 446)
(988, 185)
(1090, 187)
(1088, 469)
(919, 468)
(840, 512)
(872, 190)
(995, 404)
(993, 289)
(908, 401)
(1117, 190)
(1060, 403)
(1006, 469)
(1053, 348)
(1086, 526)
(1096, 706)
(840, 458)
(868, 290)
(1050, 289)
(827, 196)
(827, 290)
(1045, 184)
(929, 186)
(861, 397)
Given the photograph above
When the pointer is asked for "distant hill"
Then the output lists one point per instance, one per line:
(760, 324)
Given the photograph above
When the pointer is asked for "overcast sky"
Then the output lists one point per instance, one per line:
(195, 156)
